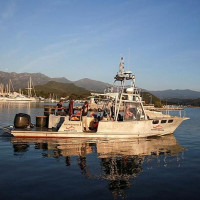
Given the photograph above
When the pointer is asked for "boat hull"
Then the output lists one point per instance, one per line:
(106, 129)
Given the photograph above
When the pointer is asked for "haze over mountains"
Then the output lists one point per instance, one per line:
(20, 80)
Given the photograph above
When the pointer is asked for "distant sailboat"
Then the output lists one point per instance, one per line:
(5, 91)
(20, 97)
(30, 88)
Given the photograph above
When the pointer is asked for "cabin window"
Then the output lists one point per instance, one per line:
(129, 111)
(170, 121)
(155, 121)
(163, 121)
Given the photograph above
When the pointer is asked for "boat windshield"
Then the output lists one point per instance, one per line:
(133, 111)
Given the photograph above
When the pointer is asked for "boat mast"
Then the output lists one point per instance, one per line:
(1, 88)
(29, 88)
(121, 78)
(124, 76)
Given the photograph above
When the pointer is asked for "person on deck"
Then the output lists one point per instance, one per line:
(128, 113)
(71, 108)
(59, 105)
(84, 112)
(110, 111)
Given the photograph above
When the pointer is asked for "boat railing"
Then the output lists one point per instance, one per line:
(175, 112)
(121, 89)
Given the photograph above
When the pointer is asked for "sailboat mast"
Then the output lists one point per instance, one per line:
(30, 85)
(29, 88)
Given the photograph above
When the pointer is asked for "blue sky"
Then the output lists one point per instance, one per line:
(159, 39)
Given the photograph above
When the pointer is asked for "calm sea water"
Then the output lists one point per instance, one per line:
(157, 168)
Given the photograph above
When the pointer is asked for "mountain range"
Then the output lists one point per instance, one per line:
(20, 80)
(178, 94)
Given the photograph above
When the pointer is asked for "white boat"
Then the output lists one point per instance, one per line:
(3, 98)
(17, 96)
(20, 98)
(122, 116)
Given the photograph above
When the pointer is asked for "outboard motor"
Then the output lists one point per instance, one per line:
(22, 120)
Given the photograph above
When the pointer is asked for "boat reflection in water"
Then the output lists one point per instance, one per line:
(120, 160)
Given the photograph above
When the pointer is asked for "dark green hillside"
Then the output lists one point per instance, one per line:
(195, 102)
(150, 98)
(61, 90)
(176, 101)
(184, 102)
